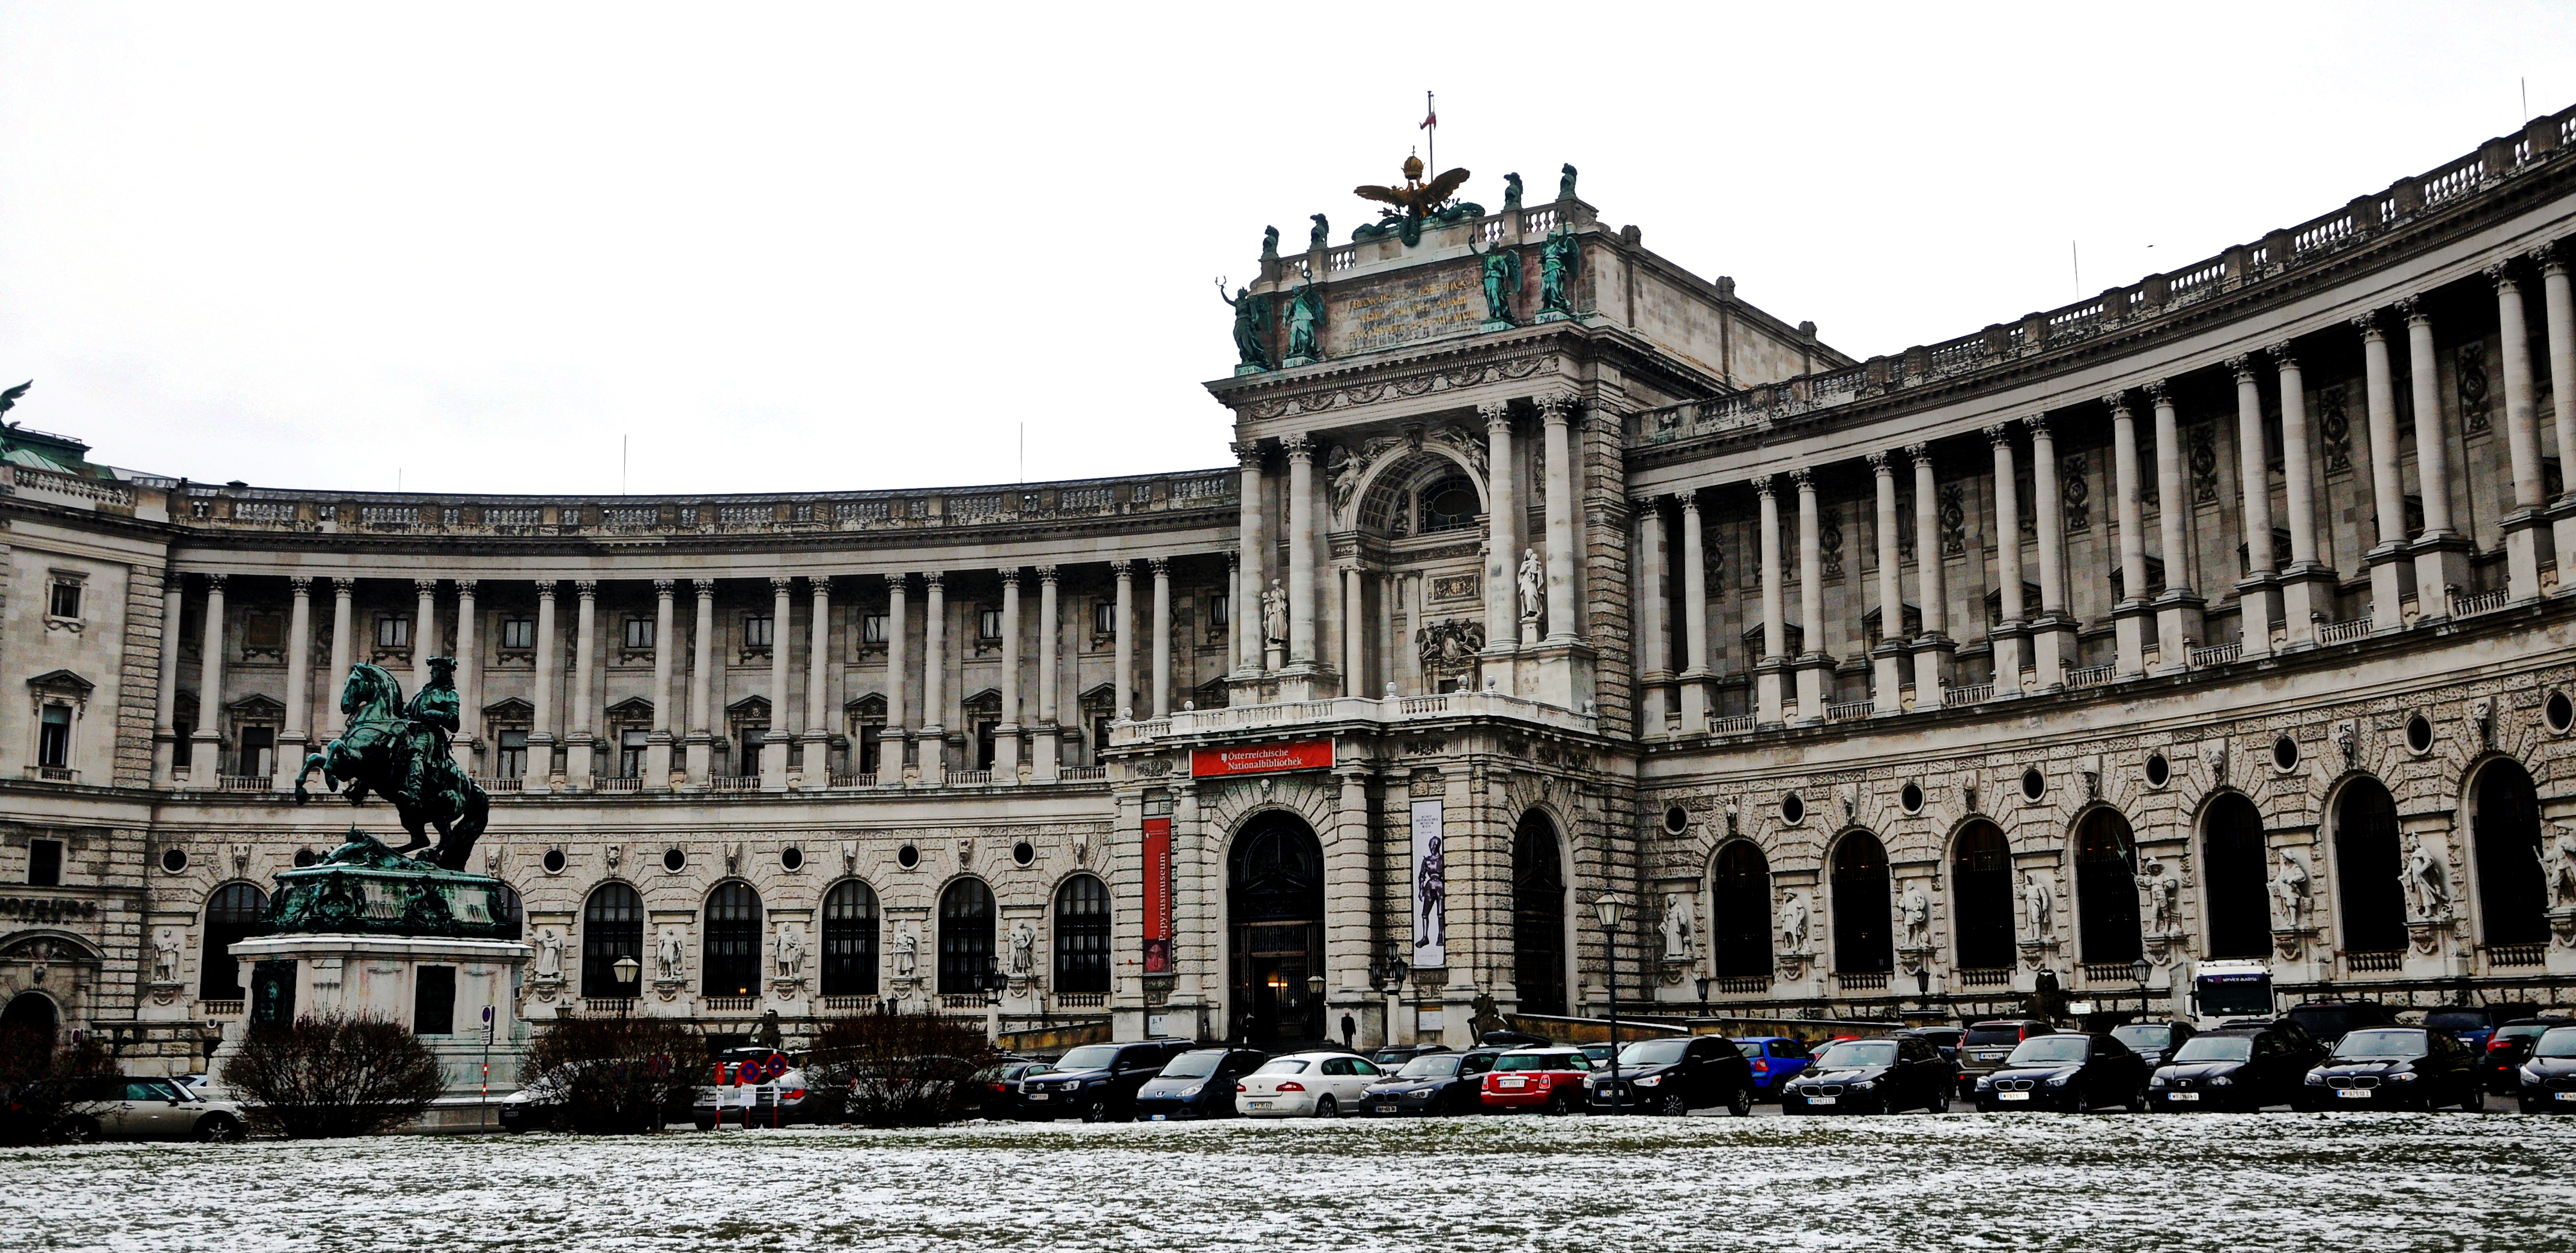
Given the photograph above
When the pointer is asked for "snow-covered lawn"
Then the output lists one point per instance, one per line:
(2275, 1182)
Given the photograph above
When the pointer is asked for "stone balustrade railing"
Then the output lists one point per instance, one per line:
(1393, 709)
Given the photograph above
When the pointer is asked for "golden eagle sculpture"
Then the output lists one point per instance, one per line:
(1416, 198)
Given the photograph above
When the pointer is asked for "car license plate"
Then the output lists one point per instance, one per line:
(1822, 1100)
(1037, 1096)
(2183, 1096)
(2353, 1094)
(1260, 1104)
(1161, 1117)
(1515, 1083)
(1386, 1107)
(2012, 1096)
(2564, 1096)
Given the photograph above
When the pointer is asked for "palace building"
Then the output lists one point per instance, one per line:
(2216, 616)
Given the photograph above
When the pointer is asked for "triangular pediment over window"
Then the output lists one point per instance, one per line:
(513, 709)
(62, 683)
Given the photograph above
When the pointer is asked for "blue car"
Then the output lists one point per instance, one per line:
(2474, 1025)
(1776, 1060)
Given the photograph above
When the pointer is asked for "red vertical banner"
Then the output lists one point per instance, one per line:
(1158, 896)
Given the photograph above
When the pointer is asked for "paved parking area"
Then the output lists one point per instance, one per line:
(2278, 1182)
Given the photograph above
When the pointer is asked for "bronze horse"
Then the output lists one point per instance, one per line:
(400, 753)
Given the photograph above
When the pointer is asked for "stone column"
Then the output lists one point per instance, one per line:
(469, 680)
(701, 742)
(774, 742)
(2392, 575)
(933, 753)
(1047, 757)
(165, 709)
(299, 672)
(541, 728)
(205, 752)
(1554, 409)
(1301, 553)
(2011, 636)
(1695, 669)
(2053, 634)
(2178, 608)
(424, 630)
(1347, 929)
(657, 748)
(2522, 440)
(818, 683)
(2258, 594)
(2442, 553)
(1815, 665)
(2307, 587)
(1253, 543)
(1502, 534)
(1122, 652)
(1887, 657)
(1006, 735)
(581, 758)
(2561, 302)
(898, 727)
(1932, 652)
(344, 640)
(2133, 614)
(1354, 633)
(1775, 647)
(1646, 578)
(1161, 568)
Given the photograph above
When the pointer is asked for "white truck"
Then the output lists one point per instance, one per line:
(2223, 991)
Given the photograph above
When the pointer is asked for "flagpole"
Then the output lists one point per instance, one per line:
(1431, 127)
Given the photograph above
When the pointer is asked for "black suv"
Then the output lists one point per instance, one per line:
(1982, 1051)
(2328, 1021)
(1095, 1082)
(1674, 1076)
(2154, 1040)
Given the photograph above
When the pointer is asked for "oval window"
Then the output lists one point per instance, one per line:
(1792, 809)
(1676, 820)
(792, 858)
(674, 860)
(1911, 797)
(306, 857)
(2285, 753)
(2033, 784)
(1023, 853)
(2159, 771)
(174, 860)
(907, 857)
(2560, 711)
(553, 861)
(2419, 735)
(1449, 505)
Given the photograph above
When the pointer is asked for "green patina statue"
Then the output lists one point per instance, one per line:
(1511, 193)
(401, 752)
(1502, 275)
(1565, 184)
(364, 887)
(1322, 235)
(1558, 260)
(1270, 243)
(1305, 321)
(1251, 318)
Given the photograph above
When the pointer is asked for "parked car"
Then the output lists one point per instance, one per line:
(125, 1107)
(1302, 1085)
(2548, 1077)
(540, 1105)
(1549, 1078)
(1945, 1039)
(994, 1089)
(2395, 1068)
(1197, 1084)
(2474, 1025)
(1392, 1057)
(1433, 1083)
(2074, 1071)
(764, 1094)
(2153, 1041)
(2329, 1020)
(1673, 1076)
(1095, 1082)
(2510, 1047)
(1775, 1060)
(1985, 1046)
(1598, 1052)
(2235, 1068)
(1875, 1076)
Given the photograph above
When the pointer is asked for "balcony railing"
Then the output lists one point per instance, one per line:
(608, 1006)
(733, 783)
(2342, 632)
(2480, 602)
(244, 783)
(852, 780)
(1969, 694)
(1082, 774)
(221, 1009)
(2089, 676)
(496, 784)
(615, 784)
(1353, 709)
(2374, 963)
(1082, 1000)
(2109, 973)
(1726, 726)
(2217, 654)
(1744, 985)
(1861, 981)
(1843, 710)
(2518, 954)
(729, 1004)
(969, 778)
(961, 1000)
(849, 1004)
(1990, 977)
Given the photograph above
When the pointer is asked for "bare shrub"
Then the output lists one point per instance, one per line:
(904, 1070)
(603, 1075)
(40, 1082)
(333, 1075)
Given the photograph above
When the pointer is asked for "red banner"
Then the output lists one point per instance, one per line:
(1261, 759)
(1158, 896)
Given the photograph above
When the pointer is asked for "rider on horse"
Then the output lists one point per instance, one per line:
(434, 717)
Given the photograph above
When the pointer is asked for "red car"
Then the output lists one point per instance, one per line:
(1549, 1079)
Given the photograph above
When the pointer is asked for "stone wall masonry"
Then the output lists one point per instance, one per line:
(138, 676)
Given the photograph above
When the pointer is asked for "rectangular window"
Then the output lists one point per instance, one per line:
(630, 752)
(1218, 609)
(511, 759)
(258, 751)
(183, 752)
(518, 633)
(872, 628)
(639, 632)
(44, 863)
(54, 737)
(393, 631)
(870, 748)
(433, 1000)
(748, 764)
(1104, 617)
(66, 602)
(263, 632)
(1099, 737)
(757, 630)
(988, 624)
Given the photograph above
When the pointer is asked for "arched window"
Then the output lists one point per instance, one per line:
(1739, 912)
(2231, 864)
(965, 937)
(850, 940)
(506, 911)
(1449, 504)
(612, 926)
(1981, 898)
(2368, 867)
(2504, 825)
(1082, 935)
(1538, 916)
(232, 916)
(2106, 890)
(1862, 943)
(733, 940)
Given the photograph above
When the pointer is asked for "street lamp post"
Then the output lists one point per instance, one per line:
(1611, 909)
(1923, 987)
(628, 971)
(1703, 995)
(2139, 970)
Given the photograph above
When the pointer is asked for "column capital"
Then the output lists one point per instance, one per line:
(545, 589)
(1766, 486)
(2367, 323)
(2038, 424)
(2117, 402)
(1122, 568)
(299, 584)
(1689, 500)
(819, 584)
(1046, 575)
(1011, 578)
(1496, 413)
(1920, 455)
(2282, 357)
(1805, 479)
(1877, 460)
(341, 585)
(1233, 559)
(2550, 257)
(215, 582)
(2160, 392)
(425, 587)
(1556, 406)
(1298, 448)
(1247, 454)
(2242, 366)
(2501, 274)
(931, 580)
(662, 588)
(781, 585)
(587, 589)
(705, 588)
(2000, 434)
(465, 588)
(1161, 566)
(2412, 309)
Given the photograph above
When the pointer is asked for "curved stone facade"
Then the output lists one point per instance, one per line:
(1493, 616)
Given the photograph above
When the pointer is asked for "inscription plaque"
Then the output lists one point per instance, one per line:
(1402, 308)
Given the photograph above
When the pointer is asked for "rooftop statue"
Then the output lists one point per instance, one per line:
(9, 398)
(1502, 276)
(1321, 236)
(1565, 184)
(1414, 201)
(1305, 322)
(1270, 243)
(400, 752)
(1251, 313)
(1558, 261)
(1511, 193)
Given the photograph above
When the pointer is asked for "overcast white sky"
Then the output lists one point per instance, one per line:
(857, 246)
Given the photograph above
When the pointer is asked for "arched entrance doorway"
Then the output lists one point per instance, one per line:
(2231, 863)
(1739, 923)
(1275, 907)
(2504, 828)
(2106, 889)
(1538, 916)
(27, 1030)
(1981, 898)
(2368, 868)
(1863, 943)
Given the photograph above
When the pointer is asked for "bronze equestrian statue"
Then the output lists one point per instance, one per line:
(400, 752)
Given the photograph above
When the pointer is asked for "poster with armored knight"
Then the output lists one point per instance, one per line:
(1430, 889)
